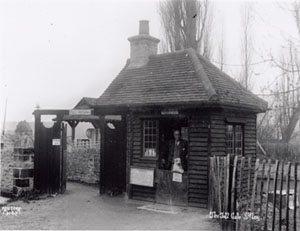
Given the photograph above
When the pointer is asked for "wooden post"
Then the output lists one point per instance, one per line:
(254, 184)
(287, 195)
(210, 188)
(280, 195)
(240, 180)
(227, 183)
(248, 183)
(219, 186)
(73, 125)
(233, 187)
(232, 205)
(274, 194)
(215, 183)
(295, 196)
(267, 192)
(254, 189)
(240, 191)
(129, 133)
(102, 177)
(262, 187)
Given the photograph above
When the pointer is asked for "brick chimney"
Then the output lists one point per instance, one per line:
(142, 46)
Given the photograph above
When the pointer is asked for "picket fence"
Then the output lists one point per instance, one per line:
(248, 193)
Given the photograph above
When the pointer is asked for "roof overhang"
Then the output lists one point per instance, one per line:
(81, 118)
(126, 108)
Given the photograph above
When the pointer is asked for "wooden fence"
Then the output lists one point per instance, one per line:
(247, 193)
(86, 144)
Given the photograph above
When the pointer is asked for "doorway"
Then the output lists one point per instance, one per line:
(114, 172)
(169, 188)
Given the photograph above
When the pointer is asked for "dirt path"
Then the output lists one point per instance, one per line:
(82, 208)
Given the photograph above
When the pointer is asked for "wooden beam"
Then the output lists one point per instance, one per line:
(102, 141)
(73, 125)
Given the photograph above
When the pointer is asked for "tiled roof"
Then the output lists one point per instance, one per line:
(86, 102)
(177, 78)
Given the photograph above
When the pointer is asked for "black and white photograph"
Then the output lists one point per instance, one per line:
(150, 115)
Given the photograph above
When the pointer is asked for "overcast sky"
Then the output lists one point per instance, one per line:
(53, 53)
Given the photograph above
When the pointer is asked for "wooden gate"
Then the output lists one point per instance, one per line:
(49, 157)
(114, 159)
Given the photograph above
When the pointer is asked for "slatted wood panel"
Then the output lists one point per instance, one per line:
(198, 161)
(139, 192)
(217, 134)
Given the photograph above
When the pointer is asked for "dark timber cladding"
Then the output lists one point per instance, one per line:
(198, 161)
(180, 89)
(140, 192)
(207, 137)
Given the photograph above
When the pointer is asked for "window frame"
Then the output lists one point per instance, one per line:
(156, 140)
(234, 141)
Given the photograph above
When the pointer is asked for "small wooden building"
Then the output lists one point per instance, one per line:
(152, 95)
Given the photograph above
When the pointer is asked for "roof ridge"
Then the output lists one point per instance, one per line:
(168, 53)
(234, 81)
(115, 79)
(89, 98)
(211, 93)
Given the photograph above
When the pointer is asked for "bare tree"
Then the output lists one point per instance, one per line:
(288, 92)
(186, 24)
(221, 52)
(246, 47)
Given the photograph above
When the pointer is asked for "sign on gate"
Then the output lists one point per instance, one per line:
(55, 142)
(80, 112)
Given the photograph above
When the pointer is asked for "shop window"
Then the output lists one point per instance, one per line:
(234, 139)
(150, 138)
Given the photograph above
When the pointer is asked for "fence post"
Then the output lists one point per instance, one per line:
(210, 188)
(227, 183)
(219, 184)
(248, 184)
(280, 195)
(254, 184)
(267, 192)
(212, 184)
(274, 194)
(254, 188)
(240, 191)
(233, 187)
(295, 196)
(287, 195)
(262, 187)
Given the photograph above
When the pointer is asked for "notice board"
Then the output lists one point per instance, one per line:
(142, 176)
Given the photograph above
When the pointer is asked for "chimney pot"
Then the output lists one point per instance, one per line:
(142, 46)
(144, 27)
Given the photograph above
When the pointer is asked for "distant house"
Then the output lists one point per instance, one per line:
(155, 94)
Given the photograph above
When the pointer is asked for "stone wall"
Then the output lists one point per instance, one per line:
(23, 170)
(17, 153)
(83, 164)
(6, 166)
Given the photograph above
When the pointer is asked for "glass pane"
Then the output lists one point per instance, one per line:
(229, 139)
(150, 137)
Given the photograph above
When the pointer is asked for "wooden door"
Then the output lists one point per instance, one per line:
(169, 191)
(114, 156)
